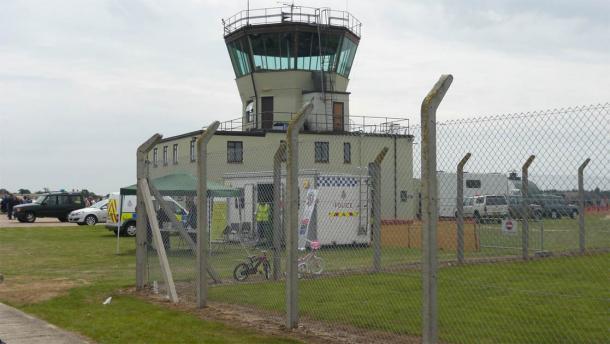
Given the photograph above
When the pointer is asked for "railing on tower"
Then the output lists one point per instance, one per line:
(293, 14)
(323, 123)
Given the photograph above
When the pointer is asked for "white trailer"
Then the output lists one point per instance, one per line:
(341, 215)
(475, 184)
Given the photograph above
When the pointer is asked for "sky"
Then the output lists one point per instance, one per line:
(83, 83)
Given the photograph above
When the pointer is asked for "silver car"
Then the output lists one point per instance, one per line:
(91, 215)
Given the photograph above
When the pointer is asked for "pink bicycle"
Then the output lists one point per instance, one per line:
(311, 263)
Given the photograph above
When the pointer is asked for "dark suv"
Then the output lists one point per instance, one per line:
(555, 207)
(54, 204)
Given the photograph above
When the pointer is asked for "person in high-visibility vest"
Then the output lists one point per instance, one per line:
(263, 223)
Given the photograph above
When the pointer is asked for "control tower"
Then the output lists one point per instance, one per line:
(285, 56)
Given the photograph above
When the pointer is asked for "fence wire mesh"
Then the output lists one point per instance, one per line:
(524, 279)
(360, 231)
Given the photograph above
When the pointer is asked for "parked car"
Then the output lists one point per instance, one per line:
(555, 207)
(54, 204)
(515, 208)
(486, 207)
(90, 215)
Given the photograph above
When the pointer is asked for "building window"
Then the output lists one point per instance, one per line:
(164, 155)
(347, 153)
(175, 154)
(235, 152)
(321, 152)
(404, 196)
(192, 149)
(473, 183)
(155, 157)
(250, 112)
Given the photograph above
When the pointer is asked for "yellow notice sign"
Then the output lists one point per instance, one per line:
(113, 214)
(219, 220)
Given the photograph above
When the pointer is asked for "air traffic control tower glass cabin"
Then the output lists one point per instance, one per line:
(283, 57)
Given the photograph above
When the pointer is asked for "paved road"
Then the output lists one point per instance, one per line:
(42, 222)
(17, 327)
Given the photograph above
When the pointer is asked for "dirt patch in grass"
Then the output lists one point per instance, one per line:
(22, 291)
(272, 323)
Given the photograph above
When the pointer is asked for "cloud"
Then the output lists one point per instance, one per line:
(82, 85)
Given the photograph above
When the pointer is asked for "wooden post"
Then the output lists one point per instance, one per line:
(292, 215)
(375, 174)
(581, 206)
(158, 241)
(279, 157)
(141, 240)
(459, 200)
(203, 239)
(525, 235)
(430, 207)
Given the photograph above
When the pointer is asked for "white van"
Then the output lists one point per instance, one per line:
(128, 212)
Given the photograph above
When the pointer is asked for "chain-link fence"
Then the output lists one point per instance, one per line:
(335, 241)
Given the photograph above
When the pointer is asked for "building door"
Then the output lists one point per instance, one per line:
(338, 120)
(267, 112)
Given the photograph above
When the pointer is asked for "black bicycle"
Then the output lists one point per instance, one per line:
(252, 266)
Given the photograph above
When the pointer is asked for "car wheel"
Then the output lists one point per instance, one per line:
(554, 214)
(30, 217)
(574, 214)
(63, 219)
(21, 220)
(130, 229)
(90, 220)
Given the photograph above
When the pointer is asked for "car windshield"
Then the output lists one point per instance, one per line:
(40, 199)
(100, 204)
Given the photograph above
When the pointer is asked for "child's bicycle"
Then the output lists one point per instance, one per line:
(252, 266)
(311, 263)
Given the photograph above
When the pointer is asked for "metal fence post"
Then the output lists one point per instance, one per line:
(202, 214)
(430, 207)
(141, 242)
(581, 206)
(524, 207)
(375, 173)
(460, 208)
(280, 156)
(292, 215)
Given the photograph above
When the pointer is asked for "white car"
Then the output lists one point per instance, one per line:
(91, 215)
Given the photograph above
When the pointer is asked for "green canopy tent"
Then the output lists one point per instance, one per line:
(183, 184)
(177, 184)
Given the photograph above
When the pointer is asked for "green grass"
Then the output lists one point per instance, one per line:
(130, 320)
(549, 235)
(552, 300)
(86, 257)
(544, 301)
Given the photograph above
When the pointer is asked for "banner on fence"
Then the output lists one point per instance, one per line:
(310, 205)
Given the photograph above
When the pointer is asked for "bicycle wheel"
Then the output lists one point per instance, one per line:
(301, 269)
(316, 266)
(266, 269)
(241, 272)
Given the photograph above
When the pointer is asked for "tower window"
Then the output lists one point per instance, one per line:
(250, 112)
(164, 155)
(155, 157)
